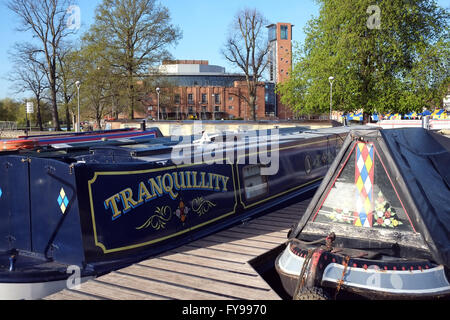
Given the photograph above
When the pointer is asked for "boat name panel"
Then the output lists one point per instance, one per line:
(167, 184)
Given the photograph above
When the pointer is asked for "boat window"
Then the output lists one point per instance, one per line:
(255, 185)
(362, 194)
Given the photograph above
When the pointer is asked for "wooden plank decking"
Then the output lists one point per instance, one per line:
(213, 268)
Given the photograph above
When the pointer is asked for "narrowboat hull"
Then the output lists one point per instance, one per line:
(363, 278)
(103, 208)
(376, 226)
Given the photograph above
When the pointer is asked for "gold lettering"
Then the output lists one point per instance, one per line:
(111, 203)
(143, 193)
(217, 182)
(203, 180)
(225, 181)
(127, 200)
(210, 182)
(156, 186)
(194, 180)
(175, 179)
(168, 188)
(188, 179)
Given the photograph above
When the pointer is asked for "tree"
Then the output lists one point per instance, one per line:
(378, 55)
(66, 70)
(135, 34)
(28, 75)
(47, 21)
(247, 48)
(11, 110)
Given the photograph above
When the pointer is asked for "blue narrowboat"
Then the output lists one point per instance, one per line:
(378, 225)
(101, 205)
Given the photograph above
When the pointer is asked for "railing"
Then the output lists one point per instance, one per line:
(8, 125)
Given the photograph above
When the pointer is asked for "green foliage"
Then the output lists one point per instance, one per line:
(10, 110)
(129, 36)
(13, 110)
(398, 63)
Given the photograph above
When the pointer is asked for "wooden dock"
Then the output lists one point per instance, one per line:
(213, 268)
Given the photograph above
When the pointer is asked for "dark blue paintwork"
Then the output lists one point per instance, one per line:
(98, 209)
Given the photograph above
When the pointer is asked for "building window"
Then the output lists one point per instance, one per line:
(190, 98)
(177, 99)
(255, 185)
(204, 109)
(217, 108)
(284, 32)
(204, 99)
(230, 107)
(217, 98)
(230, 98)
(190, 110)
(272, 33)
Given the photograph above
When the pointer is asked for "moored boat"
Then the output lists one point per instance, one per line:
(377, 227)
(62, 140)
(100, 207)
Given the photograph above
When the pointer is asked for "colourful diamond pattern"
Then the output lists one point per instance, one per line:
(63, 201)
(364, 173)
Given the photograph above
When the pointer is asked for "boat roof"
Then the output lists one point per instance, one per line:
(413, 172)
(150, 148)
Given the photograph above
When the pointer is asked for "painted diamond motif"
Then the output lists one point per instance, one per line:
(364, 182)
(63, 201)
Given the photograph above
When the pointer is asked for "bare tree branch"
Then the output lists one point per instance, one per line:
(247, 48)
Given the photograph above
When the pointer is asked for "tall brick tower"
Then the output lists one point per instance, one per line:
(280, 60)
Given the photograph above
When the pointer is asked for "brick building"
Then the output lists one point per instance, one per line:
(280, 61)
(195, 89)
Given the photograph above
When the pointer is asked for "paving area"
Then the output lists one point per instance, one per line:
(213, 268)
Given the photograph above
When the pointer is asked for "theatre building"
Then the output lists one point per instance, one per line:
(194, 89)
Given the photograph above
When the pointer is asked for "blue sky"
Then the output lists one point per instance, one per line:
(204, 24)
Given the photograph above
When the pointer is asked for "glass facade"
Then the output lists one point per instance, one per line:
(272, 33)
(204, 80)
(284, 32)
(270, 98)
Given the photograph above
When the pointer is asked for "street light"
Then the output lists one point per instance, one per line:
(331, 79)
(157, 92)
(78, 83)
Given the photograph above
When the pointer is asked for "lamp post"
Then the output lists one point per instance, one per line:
(331, 79)
(78, 83)
(214, 108)
(157, 92)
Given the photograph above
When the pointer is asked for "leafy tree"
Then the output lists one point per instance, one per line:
(389, 55)
(135, 34)
(67, 70)
(247, 48)
(97, 80)
(11, 110)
